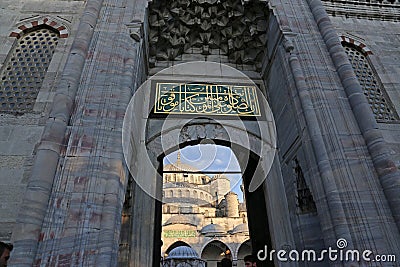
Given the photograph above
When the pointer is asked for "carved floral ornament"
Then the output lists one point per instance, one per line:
(208, 27)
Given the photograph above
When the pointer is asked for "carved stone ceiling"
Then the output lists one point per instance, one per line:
(208, 27)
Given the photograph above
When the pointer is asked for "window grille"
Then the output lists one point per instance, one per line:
(373, 89)
(24, 71)
(305, 200)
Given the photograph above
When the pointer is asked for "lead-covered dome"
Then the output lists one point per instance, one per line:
(178, 166)
(241, 228)
(183, 252)
(212, 229)
(179, 219)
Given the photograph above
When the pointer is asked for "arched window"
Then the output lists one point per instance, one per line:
(373, 89)
(24, 71)
(305, 200)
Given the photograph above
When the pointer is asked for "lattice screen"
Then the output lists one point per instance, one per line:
(25, 69)
(305, 200)
(373, 90)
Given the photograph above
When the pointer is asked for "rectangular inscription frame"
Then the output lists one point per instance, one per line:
(225, 99)
(179, 233)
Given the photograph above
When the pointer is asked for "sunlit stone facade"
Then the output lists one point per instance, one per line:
(202, 212)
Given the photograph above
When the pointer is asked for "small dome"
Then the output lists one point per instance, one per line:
(179, 219)
(213, 229)
(241, 228)
(182, 252)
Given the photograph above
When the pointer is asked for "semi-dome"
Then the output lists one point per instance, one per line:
(183, 252)
(241, 228)
(179, 219)
(213, 229)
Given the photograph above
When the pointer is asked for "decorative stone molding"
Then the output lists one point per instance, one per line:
(362, 47)
(288, 43)
(198, 131)
(208, 27)
(387, 10)
(380, 3)
(39, 21)
(135, 30)
(369, 3)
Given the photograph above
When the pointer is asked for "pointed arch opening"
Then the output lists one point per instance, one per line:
(25, 69)
(374, 91)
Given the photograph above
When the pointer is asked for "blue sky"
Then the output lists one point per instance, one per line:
(210, 157)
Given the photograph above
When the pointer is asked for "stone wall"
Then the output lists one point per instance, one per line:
(73, 204)
(383, 39)
(332, 141)
(20, 134)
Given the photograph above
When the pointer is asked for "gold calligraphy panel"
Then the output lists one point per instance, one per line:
(179, 233)
(181, 98)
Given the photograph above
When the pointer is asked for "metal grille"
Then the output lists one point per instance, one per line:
(377, 99)
(24, 71)
(305, 200)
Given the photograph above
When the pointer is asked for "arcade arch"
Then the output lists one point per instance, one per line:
(214, 251)
(243, 250)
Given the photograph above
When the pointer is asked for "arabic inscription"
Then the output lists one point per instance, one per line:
(181, 98)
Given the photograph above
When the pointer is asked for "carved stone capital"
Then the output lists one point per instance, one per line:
(135, 30)
(288, 43)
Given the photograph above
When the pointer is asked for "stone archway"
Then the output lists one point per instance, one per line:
(149, 138)
(243, 250)
(214, 251)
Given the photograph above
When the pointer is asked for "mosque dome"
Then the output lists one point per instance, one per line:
(220, 176)
(182, 252)
(212, 229)
(178, 166)
(179, 219)
(241, 228)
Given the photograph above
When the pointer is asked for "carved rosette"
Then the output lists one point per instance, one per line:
(209, 27)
